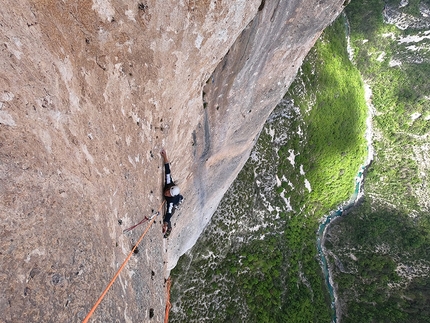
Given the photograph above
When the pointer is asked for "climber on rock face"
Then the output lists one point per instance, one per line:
(171, 194)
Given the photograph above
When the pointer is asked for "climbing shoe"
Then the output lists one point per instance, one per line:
(167, 234)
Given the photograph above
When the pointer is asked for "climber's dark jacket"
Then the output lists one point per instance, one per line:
(171, 201)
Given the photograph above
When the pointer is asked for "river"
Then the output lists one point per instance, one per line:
(342, 210)
(356, 196)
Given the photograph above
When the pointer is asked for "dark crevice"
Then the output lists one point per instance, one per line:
(207, 142)
(261, 5)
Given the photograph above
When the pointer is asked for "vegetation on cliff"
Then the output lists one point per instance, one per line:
(257, 260)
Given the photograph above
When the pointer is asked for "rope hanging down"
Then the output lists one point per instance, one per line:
(168, 304)
(122, 267)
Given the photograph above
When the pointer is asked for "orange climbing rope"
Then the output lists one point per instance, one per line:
(168, 305)
(120, 268)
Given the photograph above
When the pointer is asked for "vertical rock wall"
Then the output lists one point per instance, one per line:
(239, 96)
(89, 93)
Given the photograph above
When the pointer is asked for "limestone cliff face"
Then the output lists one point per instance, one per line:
(90, 91)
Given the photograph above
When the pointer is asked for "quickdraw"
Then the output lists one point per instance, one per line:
(144, 219)
(141, 222)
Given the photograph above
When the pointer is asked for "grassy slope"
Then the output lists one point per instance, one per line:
(257, 260)
(390, 231)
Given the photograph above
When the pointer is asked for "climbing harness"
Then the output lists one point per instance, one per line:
(122, 267)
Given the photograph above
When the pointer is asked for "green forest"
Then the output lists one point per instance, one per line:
(380, 251)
